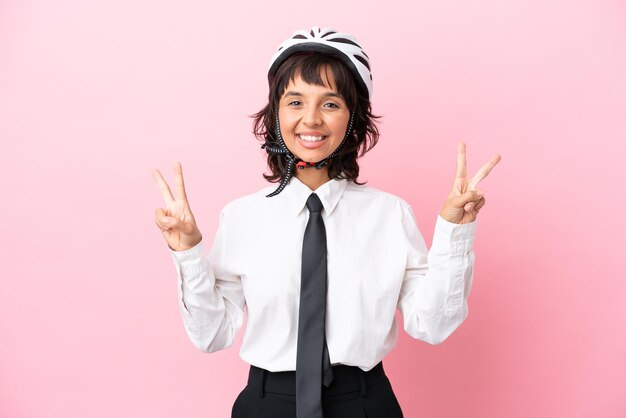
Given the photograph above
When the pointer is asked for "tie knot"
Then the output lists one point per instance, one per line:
(313, 203)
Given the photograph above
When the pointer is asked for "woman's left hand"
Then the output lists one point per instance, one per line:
(465, 201)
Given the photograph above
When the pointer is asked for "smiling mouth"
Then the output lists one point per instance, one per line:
(311, 138)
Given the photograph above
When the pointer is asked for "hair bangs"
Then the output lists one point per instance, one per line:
(313, 69)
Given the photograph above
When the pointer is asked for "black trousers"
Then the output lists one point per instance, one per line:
(353, 394)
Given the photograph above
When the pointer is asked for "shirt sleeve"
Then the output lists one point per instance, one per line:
(437, 283)
(210, 297)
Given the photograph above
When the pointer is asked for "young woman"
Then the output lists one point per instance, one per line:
(321, 262)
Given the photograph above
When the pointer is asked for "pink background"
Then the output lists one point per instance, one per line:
(94, 94)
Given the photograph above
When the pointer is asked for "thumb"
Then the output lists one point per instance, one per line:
(170, 222)
(469, 196)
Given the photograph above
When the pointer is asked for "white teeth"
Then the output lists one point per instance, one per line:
(311, 138)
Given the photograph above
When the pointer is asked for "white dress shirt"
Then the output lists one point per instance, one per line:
(377, 262)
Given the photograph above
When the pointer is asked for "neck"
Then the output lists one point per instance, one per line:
(313, 177)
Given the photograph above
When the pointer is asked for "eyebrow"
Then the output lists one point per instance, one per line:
(295, 93)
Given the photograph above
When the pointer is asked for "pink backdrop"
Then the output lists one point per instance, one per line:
(93, 95)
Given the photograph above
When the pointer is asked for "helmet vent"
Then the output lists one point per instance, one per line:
(363, 61)
(345, 41)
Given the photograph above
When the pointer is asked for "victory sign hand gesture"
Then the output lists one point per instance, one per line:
(176, 221)
(465, 201)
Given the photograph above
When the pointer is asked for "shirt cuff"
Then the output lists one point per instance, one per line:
(456, 239)
(190, 255)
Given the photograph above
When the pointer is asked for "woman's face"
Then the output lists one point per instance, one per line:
(313, 119)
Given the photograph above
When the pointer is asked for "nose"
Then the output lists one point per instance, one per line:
(312, 116)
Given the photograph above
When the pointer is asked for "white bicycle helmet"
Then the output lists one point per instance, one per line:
(340, 45)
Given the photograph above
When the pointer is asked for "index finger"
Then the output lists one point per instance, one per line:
(165, 189)
(461, 161)
(179, 183)
(484, 170)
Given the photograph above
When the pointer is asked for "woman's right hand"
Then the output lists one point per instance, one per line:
(176, 221)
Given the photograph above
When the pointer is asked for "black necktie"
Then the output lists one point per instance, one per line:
(312, 360)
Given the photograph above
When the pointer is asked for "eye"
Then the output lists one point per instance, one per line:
(332, 105)
(294, 103)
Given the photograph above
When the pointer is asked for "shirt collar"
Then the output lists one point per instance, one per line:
(296, 194)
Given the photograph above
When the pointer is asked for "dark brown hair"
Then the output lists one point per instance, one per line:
(309, 66)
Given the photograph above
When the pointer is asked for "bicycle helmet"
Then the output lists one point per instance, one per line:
(347, 50)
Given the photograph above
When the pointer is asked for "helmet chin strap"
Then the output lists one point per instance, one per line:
(293, 161)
